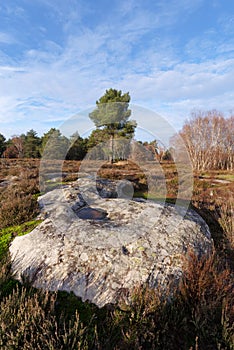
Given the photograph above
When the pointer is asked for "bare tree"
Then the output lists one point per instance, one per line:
(209, 139)
(17, 142)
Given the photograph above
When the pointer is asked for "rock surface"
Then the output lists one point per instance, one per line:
(134, 242)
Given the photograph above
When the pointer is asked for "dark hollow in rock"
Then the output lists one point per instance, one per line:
(91, 214)
(106, 188)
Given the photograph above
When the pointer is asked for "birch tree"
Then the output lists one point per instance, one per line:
(209, 139)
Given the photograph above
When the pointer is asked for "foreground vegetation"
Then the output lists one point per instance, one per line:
(199, 316)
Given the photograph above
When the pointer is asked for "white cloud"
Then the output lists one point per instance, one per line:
(54, 81)
(6, 38)
(73, 81)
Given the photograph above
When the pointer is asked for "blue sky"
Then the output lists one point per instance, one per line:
(58, 57)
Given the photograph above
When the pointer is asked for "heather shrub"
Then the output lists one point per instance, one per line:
(199, 316)
(6, 282)
(17, 201)
(206, 296)
(226, 219)
(16, 207)
(27, 186)
(28, 321)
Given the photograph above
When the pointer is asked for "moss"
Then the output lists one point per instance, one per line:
(5, 240)
(36, 195)
(7, 234)
(228, 177)
(149, 196)
(20, 230)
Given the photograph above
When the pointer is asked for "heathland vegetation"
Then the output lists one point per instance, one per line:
(200, 316)
(208, 137)
(201, 313)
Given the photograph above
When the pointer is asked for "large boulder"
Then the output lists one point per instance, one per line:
(100, 250)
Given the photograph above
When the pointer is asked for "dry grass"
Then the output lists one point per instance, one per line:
(16, 209)
(17, 201)
(199, 316)
(18, 205)
(28, 321)
(226, 219)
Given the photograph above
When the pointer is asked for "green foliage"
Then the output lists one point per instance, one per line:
(31, 144)
(23, 229)
(2, 144)
(112, 110)
(78, 147)
(98, 144)
(167, 155)
(111, 115)
(14, 147)
(96, 137)
(5, 239)
(54, 145)
(7, 234)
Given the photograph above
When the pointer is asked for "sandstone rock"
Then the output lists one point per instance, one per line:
(137, 242)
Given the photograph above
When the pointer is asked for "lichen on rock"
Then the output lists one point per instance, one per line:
(135, 242)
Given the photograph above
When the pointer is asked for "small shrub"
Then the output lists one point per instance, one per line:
(200, 315)
(226, 219)
(17, 208)
(7, 234)
(7, 284)
(206, 290)
(27, 186)
(28, 321)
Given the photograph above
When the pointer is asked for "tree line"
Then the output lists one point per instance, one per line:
(110, 118)
(111, 140)
(30, 145)
(208, 137)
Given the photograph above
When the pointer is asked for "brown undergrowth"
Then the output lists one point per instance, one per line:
(199, 316)
(18, 202)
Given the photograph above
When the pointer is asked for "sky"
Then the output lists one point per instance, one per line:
(58, 57)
